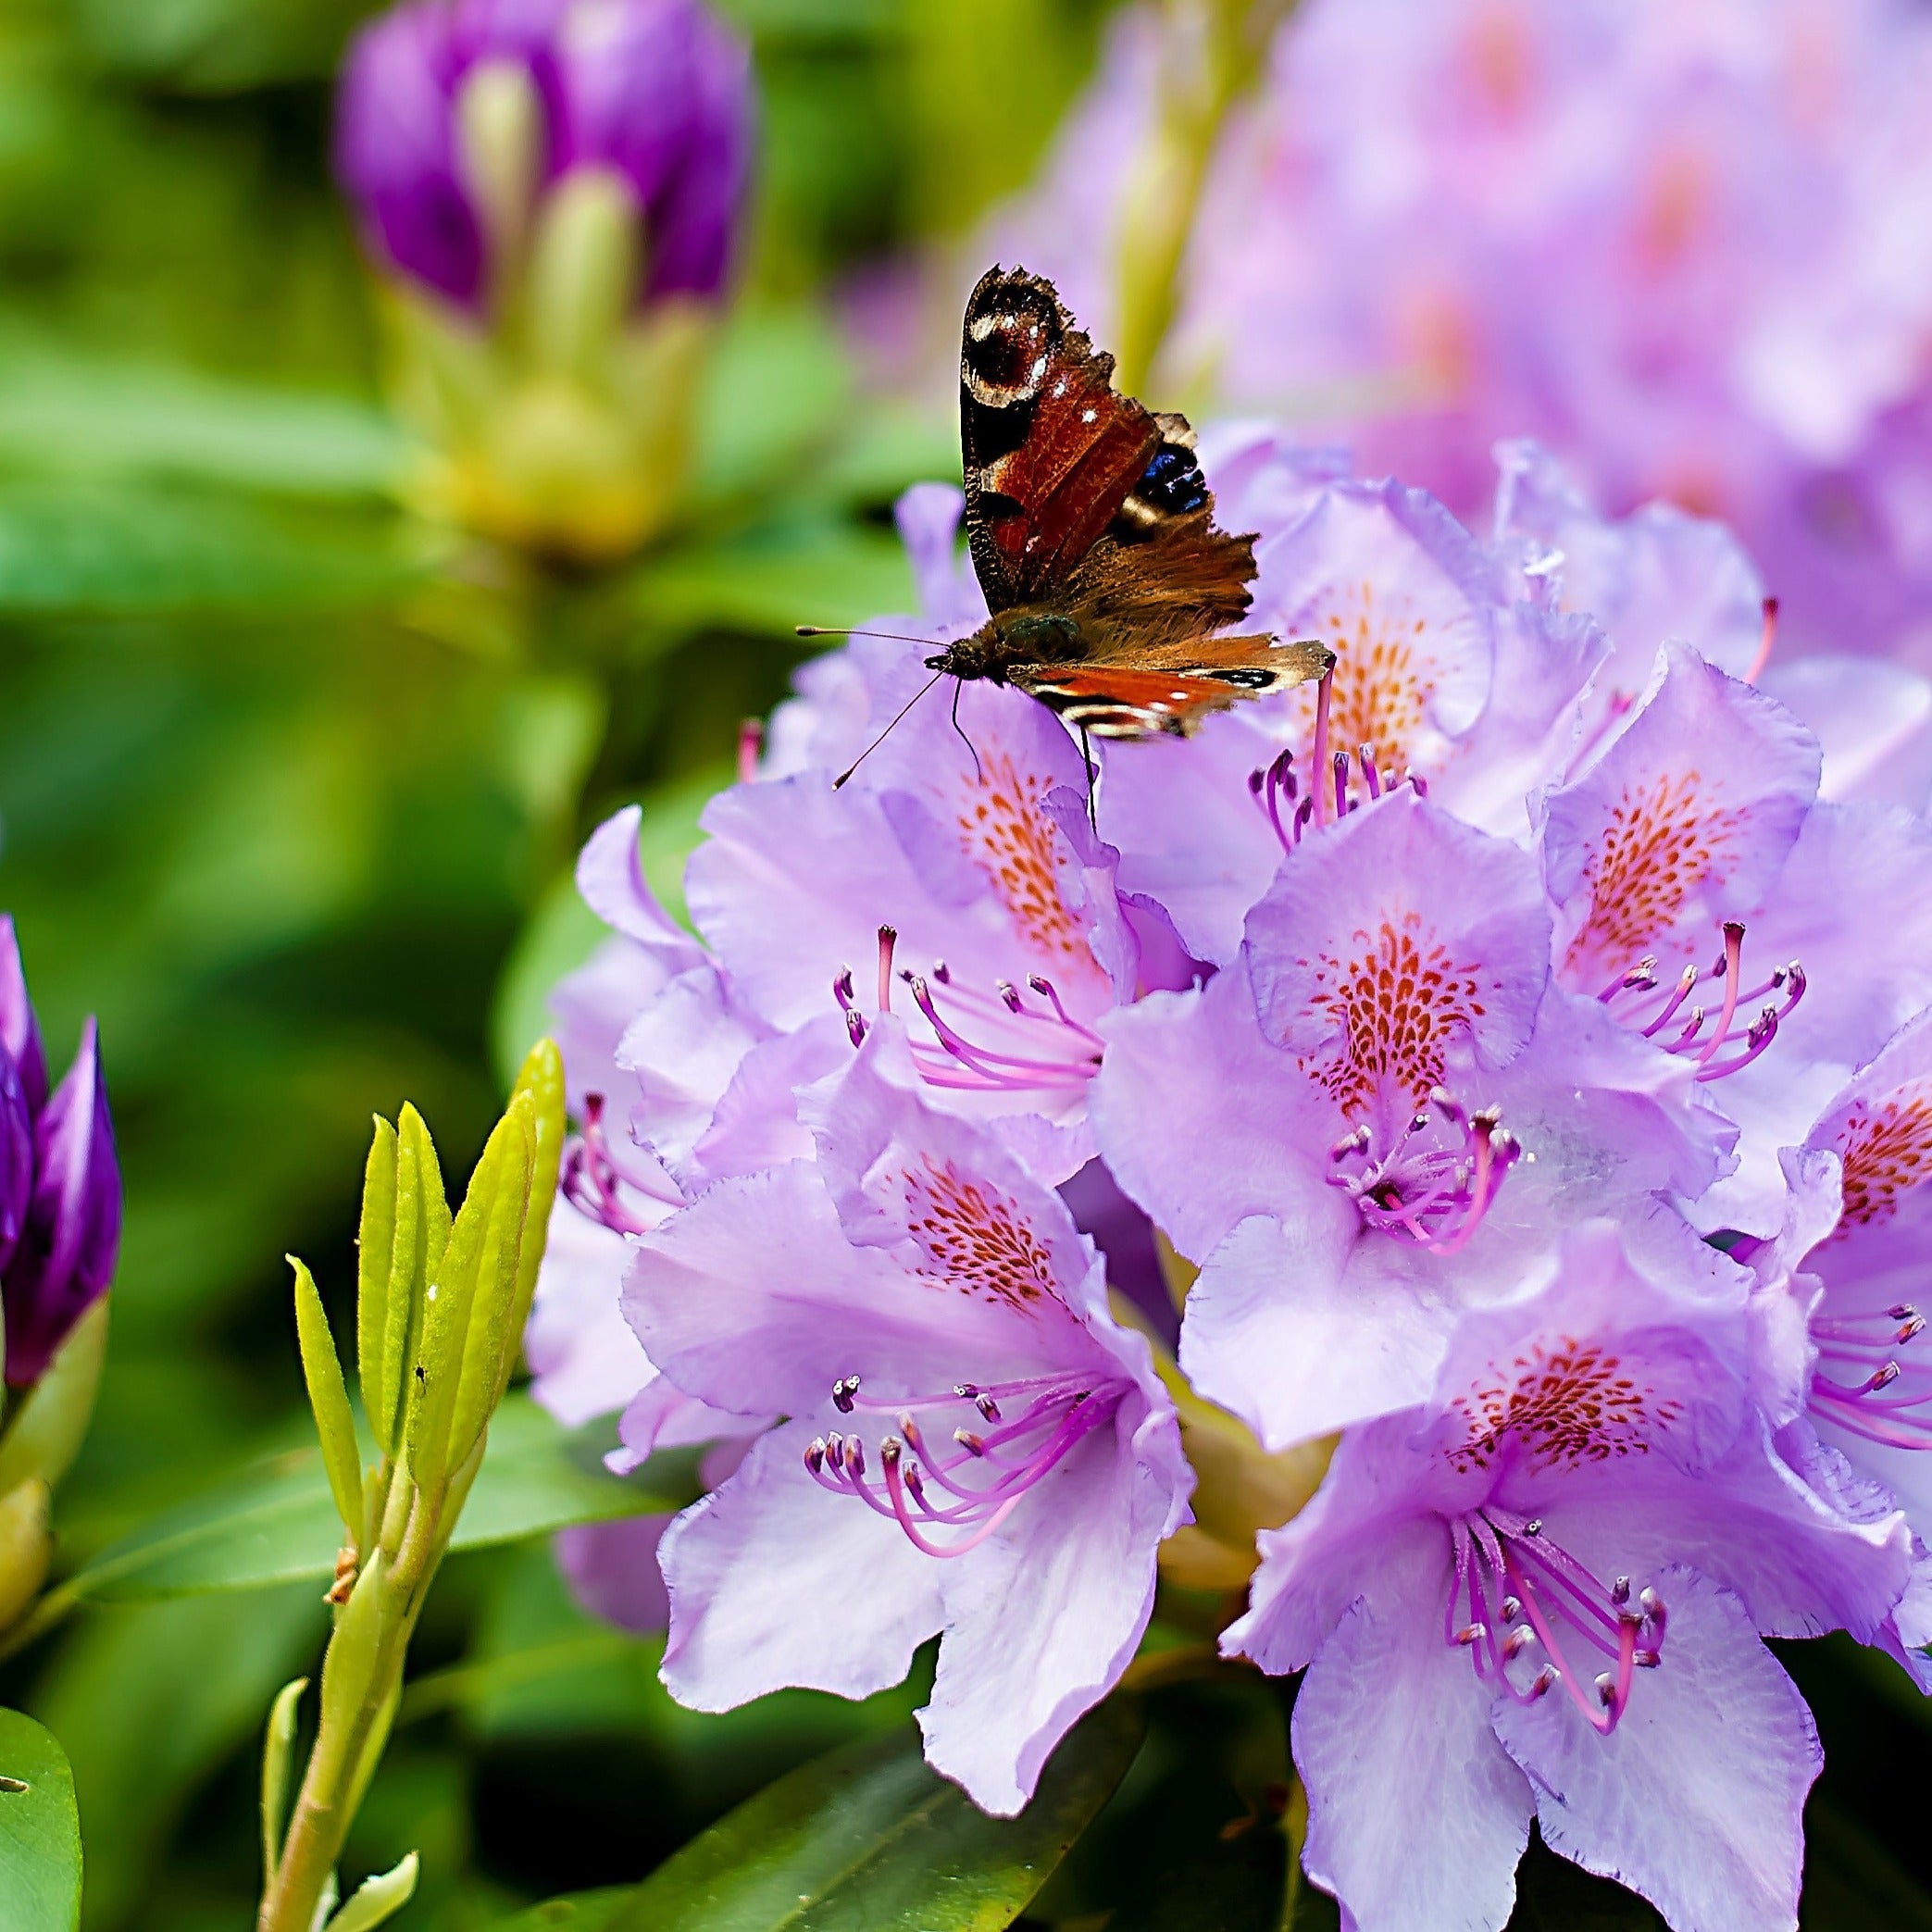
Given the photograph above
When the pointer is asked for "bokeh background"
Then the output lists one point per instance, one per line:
(290, 784)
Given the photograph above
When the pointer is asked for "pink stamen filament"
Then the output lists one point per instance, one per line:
(1638, 984)
(1435, 1195)
(1505, 1557)
(1767, 639)
(1884, 1406)
(1062, 1052)
(590, 1180)
(1275, 785)
(1065, 1410)
(751, 748)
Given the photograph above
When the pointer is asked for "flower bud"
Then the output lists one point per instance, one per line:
(554, 187)
(25, 1546)
(59, 1182)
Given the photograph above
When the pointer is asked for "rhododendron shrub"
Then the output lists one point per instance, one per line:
(1518, 1044)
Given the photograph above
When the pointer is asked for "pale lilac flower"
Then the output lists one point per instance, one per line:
(970, 1433)
(1679, 243)
(656, 93)
(60, 1188)
(1843, 1339)
(1380, 1118)
(952, 881)
(1449, 671)
(1541, 1593)
(1706, 899)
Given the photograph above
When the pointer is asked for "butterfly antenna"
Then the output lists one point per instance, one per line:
(889, 730)
(978, 769)
(898, 637)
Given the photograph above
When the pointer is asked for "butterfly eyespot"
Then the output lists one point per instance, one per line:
(1007, 351)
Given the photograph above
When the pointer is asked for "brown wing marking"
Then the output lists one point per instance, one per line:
(1182, 580)
(1171, 689)
(1051, 451)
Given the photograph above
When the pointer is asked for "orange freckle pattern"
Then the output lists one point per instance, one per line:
(975, 1238)
(1662, 844)
(1567, 1403)
(1008, 834)
(1887, 1152)
(1399, 1003)
(1384, 674)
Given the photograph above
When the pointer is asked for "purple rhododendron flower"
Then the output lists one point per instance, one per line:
(1383, 1114)
(60, 1194)
(1674, 241)
(1541, 1592)
(1522, 1031)
(968, 1429)
(655, 93)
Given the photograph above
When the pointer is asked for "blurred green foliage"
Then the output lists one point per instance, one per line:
(286, 781)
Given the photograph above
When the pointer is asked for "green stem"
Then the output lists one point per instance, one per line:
(1215, 54)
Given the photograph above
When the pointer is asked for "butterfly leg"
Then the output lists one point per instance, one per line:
(978, 770)
(1087, 764)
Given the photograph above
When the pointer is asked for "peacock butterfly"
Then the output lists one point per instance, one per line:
(1093, 538)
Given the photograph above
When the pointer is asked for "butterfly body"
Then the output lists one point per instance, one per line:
(1093, 535)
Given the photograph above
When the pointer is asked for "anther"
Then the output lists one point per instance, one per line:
(1545, 1682)
(967, 1441)
(1606, 1689)
(844, 1391)
(1535, 1527)
(888, 938)
(1512, 1609)
(814, 1454)
(1472, 1633)
(1620, 1592)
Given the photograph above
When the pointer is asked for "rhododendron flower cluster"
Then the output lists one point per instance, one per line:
(1681, 240)
(1523, 1040)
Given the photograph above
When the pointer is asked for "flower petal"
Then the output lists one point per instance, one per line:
(1695, 1799)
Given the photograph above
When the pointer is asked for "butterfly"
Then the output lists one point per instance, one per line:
(1093, 535)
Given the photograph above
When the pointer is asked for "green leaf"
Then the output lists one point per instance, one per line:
(278, 1524)
(110, 548)
(582, 1912)
(869, 1839)
(277, 1752)
(541, 1080)
(81, 415)
(40, 1830)
(377, 1899)
(769, 580)
(329, 1398)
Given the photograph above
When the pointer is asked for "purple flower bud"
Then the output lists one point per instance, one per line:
(658, 92)
(16, 1159)
(68, 1247)
(19, 1031)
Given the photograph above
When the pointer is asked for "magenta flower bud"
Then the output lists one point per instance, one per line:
(436, 152)
(19, 1031)
(67, 1248)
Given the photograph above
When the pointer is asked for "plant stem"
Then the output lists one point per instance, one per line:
(1212, 54)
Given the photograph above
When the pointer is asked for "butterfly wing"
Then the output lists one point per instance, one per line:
(1146, 691)
(1051, 452)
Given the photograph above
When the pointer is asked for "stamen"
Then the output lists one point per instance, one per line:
(1629, 990)
(1768, 638)
(1501, 1555)
(589, 1179)
(751, 748)
(1063, 1410)
(1886, 1405)
(1061, 1053)
(1432, 1189)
